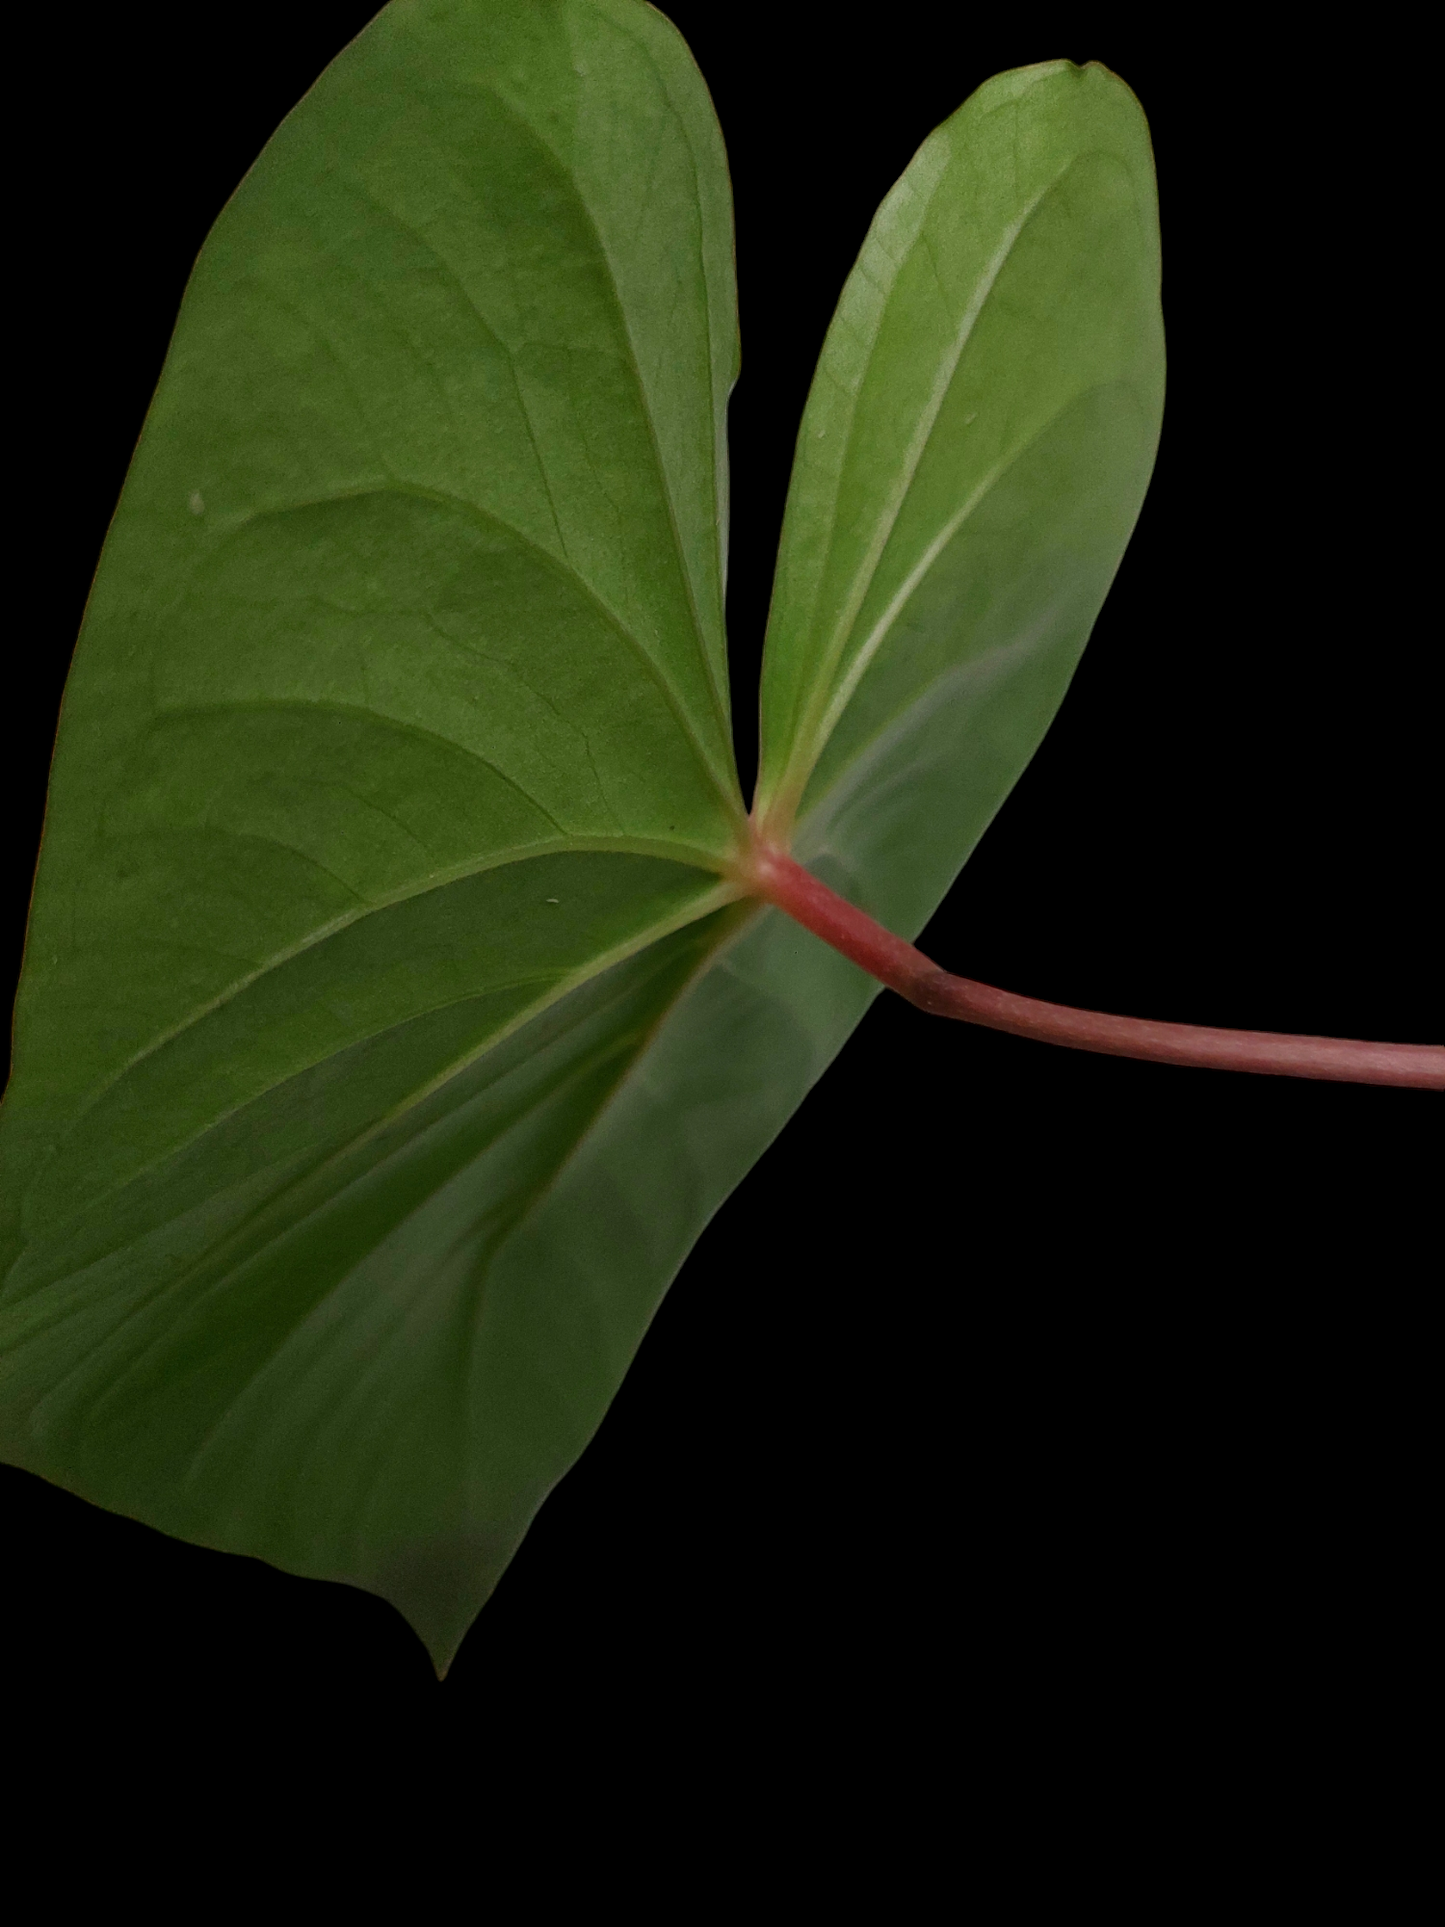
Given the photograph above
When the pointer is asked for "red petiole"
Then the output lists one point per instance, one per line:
(769, 873)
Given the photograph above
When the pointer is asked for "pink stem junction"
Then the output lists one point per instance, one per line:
(771, 874)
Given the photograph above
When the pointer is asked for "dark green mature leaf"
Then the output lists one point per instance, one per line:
(389, 1030)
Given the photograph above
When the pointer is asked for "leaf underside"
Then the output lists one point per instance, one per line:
(388, 1030)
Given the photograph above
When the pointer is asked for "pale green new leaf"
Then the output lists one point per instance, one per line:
(388, 1029)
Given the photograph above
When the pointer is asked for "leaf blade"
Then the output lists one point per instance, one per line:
(1002, 281)
(359, 1306)
(399, 719)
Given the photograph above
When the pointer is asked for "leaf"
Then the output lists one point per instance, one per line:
(389, 1027)
(970, 466)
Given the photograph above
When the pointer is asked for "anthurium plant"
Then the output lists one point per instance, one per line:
(408, 978)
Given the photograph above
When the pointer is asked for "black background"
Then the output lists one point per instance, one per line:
(1058, 1416)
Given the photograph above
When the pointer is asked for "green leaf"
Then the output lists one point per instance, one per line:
(390, 1027)
(970, 466)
